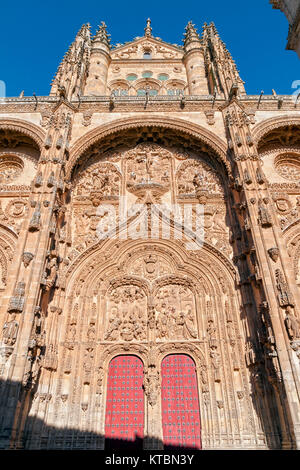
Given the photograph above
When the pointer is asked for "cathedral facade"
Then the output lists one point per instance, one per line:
(120, 323)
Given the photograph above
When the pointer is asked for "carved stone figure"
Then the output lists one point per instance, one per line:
(10, 331)
(27, 257)
(152, 386)
(284, 295)
(264, 217)
(292, 324)
(91, 332)
(16, 302)
(274, 253)
(35, 221)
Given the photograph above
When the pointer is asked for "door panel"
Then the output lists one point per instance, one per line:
(124, 420)
(180, 402)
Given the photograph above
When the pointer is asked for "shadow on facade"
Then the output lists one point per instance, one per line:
(31, 433)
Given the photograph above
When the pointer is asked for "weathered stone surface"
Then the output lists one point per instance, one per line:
(80, 283)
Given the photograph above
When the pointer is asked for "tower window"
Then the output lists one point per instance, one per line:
(147, 74)
(175, 91)
(142, 92)
(163, 76)
(131, 77)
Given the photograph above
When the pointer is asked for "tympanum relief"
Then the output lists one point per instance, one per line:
(175, 313)
(126, 314)
(148, 174)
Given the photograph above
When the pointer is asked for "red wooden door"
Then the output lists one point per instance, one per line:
(124, 419)
(180, 402)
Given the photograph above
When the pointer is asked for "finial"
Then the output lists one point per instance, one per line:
(102, 35)
(148, 29)
(190, 34)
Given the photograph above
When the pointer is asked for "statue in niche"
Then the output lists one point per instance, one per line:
(161, 322)
(264, 216)
(91, 332)
(284, 294)
(292, 324)
(10, 331)
(189, 330)
(152, 386)
(216, 361)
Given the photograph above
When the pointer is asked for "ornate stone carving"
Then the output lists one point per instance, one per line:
(264, 216)
(274, 253)
(10, 331)
(292, 324)
(126, 314)
(16, 302)
(152, 386)
(195, 176)
(27, 257)
(175, 313)
(284, 295)
(10, 168)
(35, 222)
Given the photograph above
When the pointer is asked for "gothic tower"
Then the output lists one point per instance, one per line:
(149, 253)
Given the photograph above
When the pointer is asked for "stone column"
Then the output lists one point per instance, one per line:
(32, 275)
(269, 278)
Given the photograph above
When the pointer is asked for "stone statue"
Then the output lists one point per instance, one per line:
(10, 331)
(292, 324)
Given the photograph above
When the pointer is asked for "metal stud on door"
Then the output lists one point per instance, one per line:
(124, 419)
(180, 402)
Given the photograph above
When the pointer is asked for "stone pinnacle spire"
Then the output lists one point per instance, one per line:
(190, 34)
(102, 35)
(148, 29)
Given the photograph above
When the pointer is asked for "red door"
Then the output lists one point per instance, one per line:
(124, 419)
(180, 402)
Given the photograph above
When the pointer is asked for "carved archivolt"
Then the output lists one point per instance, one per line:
(287, 164)
(7, 248)
(292, 238)
(192, 130)
(260, 131)
(27, 128)
(193, 176)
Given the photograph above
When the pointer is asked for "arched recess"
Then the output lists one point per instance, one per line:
(116, 292)
(283, 129)
(19, 126)
(8, 239)
(180, 415)
(143, 127)
(124, 412)
(291, 235)
(205, 278)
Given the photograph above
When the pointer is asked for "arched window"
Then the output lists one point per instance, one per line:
(120, 92)
(180, 402)
(175, 92)
(142, 92)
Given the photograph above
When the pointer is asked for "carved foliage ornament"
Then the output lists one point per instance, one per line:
(10, 168)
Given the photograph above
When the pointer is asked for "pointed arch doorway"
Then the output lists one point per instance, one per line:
(124, 417)
(180, 403)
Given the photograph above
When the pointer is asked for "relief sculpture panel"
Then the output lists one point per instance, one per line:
(126, 314)
(175, 313)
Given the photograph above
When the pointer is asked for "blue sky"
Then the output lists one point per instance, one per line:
(34, 36)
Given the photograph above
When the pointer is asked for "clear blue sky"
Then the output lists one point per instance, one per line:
(36, 34)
